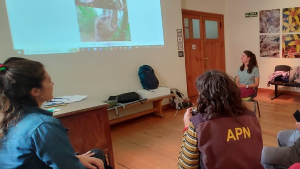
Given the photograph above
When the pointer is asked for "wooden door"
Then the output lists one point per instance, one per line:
(213, 43)
(204, 45)
(193, 44)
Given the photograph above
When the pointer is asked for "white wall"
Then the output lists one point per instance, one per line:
(102, 74)
(212, 6)
(243, 34)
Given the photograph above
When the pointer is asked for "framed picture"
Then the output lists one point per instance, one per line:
(180, 46)
(180, 54)
(179, 32)
(179, 39)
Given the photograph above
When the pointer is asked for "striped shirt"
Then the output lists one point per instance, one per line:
(189, 153)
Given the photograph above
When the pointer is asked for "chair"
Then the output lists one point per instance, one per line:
(252, 99)
(284, 68)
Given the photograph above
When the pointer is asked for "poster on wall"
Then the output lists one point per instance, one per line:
(291, 46)
(290, 20)
(269, 46)
(269, 21)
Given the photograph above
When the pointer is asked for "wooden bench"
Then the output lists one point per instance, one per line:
(157, 109)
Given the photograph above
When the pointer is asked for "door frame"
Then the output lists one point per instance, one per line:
(221, 30)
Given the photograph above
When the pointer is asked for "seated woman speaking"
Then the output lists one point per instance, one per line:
(248, 75)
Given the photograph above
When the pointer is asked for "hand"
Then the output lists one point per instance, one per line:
(89, 154)
(186, 118)
(242, 85)
(298, 125)
(88, 162)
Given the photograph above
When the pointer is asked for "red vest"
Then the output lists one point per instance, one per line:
(226, 143)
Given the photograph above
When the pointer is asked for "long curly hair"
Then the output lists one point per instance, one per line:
(218, 95)
(16, 82)
(252, 61)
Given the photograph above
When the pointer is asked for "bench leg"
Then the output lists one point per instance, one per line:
(276, 93)
(157, 106)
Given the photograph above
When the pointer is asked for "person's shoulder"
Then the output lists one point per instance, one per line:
(29, 121)
(239, 69)
(37, 116)
(255, 68)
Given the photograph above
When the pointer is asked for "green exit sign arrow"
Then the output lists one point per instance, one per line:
(251, 14)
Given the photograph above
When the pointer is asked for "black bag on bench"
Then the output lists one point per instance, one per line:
(128, 97)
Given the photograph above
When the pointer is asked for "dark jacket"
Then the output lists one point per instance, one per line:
(226, 143)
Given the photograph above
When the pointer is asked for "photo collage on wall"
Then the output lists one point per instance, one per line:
(291, 32)
(270, 35)
(269, 26)
(103, 20)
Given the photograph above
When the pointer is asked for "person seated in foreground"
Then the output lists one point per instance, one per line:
(224, 133)
(30, 138)
(287, 153)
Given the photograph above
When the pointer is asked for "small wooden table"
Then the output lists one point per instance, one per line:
(88, 126)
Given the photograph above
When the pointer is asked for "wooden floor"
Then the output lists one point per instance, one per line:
(150, 142)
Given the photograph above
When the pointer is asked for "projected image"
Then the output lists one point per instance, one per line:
(98, 24)
(86, 1)
(106, 4)
(77, 26)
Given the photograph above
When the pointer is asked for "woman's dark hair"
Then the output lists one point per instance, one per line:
(218, 95)
(252, 61)
(16, 82)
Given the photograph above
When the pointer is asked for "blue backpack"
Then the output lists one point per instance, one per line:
(148, 78)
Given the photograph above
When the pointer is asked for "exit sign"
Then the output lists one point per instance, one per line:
(251, 14)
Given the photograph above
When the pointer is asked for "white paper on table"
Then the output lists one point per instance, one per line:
(69, 99)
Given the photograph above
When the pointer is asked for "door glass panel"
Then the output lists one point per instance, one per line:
(187, 33)
(196, 28)
(211, 29)
(186, 22)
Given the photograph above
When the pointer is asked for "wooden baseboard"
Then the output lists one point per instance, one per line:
(265, 90)
(279, 91)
